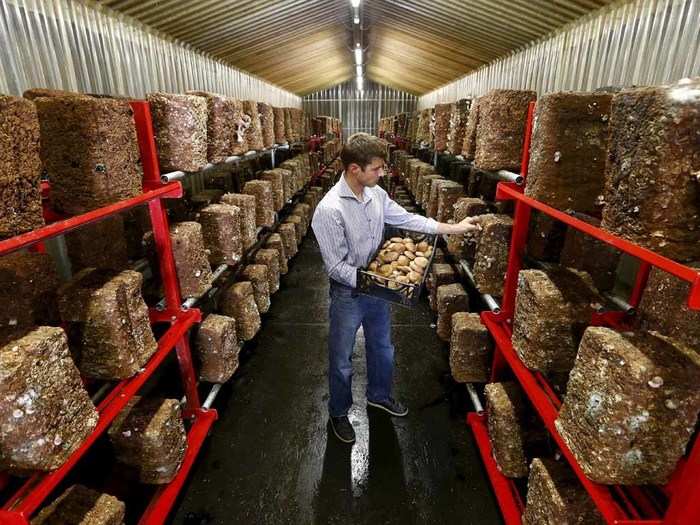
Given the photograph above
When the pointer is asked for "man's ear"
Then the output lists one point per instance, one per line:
(353, 168)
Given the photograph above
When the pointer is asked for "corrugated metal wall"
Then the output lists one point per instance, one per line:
(641, 42)
(64, 44)
(359, 110)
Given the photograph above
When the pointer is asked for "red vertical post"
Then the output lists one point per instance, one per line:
(640, 283)
(685, 503)
(518, 244)
(163, 245)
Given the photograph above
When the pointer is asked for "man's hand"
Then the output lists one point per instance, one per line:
(469, 224)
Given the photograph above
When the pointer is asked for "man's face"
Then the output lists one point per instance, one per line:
(371, 174)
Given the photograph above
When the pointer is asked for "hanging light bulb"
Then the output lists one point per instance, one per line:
(358, 70)
(356, 20)
(360, 83)
(355, 3)
(358, 56)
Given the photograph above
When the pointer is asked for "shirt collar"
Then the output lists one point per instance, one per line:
(345, 191)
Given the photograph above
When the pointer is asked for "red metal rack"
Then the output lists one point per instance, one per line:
(618, 504)
(34, 492)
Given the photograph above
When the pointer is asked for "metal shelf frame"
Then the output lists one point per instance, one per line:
(621, 505)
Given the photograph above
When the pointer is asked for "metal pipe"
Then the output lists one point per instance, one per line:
(219, 271)
(97, 396)
(177, 175)
(140, 265)
(509, 176)
(478, 407)
(620, 303)
(209, 401)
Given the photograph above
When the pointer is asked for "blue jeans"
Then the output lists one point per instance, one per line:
(348, 310)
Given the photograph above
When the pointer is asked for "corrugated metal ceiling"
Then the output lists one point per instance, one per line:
(304, 45)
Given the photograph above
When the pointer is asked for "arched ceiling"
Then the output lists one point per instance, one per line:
(304, 45)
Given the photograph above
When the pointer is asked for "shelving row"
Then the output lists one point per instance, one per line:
(678, 502)
(177, 317)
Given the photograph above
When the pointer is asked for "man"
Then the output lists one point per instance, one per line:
(349, 223)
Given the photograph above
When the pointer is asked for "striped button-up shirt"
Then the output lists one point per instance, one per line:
(349, 230)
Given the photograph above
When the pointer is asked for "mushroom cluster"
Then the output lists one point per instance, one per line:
(401, 261)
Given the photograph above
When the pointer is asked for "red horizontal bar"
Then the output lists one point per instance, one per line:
(506, 191)
(509, 500)
(37, 488)
(600, 494)
(165, 497)
(173, 190)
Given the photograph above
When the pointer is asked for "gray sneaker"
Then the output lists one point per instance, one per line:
(342, 429)
(391, 406)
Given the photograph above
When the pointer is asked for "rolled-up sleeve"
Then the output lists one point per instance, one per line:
(328, 227)
(396, 215)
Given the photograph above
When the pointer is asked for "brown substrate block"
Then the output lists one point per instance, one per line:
(443, 113)
(652, 193)
(238, 302)
(28, 285)
(107, 323)
(20, 167)
(664, 308)
(275, 242)
(288, 232)
(422, 195)
(451, 298)
(35, 93)
(303, 210)
(631, 406)
(505, 410)
(254, 137)
(264, 207)
(280, 136)
(568, 152)
(276, 180)
(590, 255)
(448, 195)
(552, 310)
(299, 227)
(149, 436)
(98, 245)
(439, 256)
(440, 274)
(469, 144)
(491, 258)
(217, 348)
(89, 151)
(545, 237)
(258, 276)
(555, 496)
(221, 230)
(287, 183)
(458, 126)
(267, 124)
(501, 129)
(46, 413)
(239, 145)
(288, 128)
(464, 246)
(221, 125)
(180, 125)
(247, 205)
(270, 259)
(431, 205)
(193, 270)
(82, 506)
(470, 349)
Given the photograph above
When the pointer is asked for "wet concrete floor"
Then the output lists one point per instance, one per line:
(271, 459)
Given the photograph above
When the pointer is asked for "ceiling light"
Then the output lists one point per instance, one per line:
(356, 20)
(358, 56)
(360, 82)
(358, 70)
(355, 3)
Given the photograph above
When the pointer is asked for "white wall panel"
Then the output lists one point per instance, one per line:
(640, 42)
(65, 44)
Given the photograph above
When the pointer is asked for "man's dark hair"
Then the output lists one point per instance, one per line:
(361, 148)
